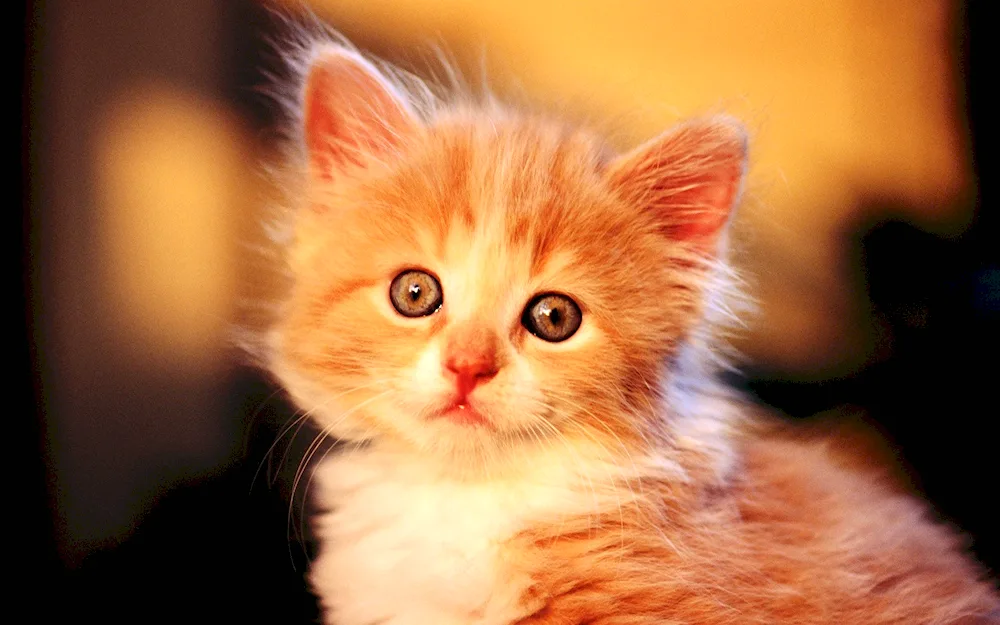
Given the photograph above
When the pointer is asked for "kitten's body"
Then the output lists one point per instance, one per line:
(597, 477)
(786, 536)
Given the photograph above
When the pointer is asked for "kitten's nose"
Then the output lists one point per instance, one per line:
(471, 356)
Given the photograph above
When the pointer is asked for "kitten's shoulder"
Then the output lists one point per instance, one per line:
(831, 496)
(836, 473)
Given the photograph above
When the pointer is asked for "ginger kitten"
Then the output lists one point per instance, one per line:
(516, 329)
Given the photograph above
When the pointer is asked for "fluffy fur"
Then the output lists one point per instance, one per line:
(610, 480)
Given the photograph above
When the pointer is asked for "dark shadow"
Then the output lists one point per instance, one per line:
(222, 549)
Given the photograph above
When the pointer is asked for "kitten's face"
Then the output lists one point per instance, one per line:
(485, 282)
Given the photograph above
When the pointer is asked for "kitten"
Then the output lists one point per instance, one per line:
(517, 329)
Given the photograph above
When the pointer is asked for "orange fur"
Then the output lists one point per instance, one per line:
(793, 538)
(701, 519)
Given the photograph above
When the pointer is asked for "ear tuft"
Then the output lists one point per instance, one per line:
(689, 177)
(352, 113)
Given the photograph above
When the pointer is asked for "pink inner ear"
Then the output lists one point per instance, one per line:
(322, 126)
(352, 114)
(701, 214)
(689, 178)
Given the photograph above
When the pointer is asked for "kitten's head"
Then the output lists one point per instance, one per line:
(469, 279)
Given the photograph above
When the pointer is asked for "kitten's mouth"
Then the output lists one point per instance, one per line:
(463, 413)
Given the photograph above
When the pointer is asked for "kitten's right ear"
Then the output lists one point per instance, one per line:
(352, 114)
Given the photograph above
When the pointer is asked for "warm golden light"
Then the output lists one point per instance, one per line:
(172, 181)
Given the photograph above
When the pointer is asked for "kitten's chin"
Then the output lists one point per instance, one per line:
(463, 415)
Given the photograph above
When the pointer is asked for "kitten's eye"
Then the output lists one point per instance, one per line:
(552, 317)
(415, 293)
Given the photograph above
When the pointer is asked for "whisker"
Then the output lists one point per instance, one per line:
(621, 515)
(593, 491)
(253, 417)
(317, 443)
(298, 419)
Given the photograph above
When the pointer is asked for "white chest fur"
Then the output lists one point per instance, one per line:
(402, 546)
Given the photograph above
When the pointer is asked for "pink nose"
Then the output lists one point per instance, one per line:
(470, 369)
(471, 357)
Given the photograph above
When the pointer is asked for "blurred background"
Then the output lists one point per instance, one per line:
(868, 234)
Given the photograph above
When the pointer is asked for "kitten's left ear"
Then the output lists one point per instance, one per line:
(689, 177)
(351, 112)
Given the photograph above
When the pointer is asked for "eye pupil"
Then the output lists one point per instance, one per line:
(414, 292)
(552, 317)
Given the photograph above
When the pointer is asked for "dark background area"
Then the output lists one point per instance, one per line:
(223, 548)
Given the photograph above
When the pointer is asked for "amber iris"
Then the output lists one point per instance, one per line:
(552, 317)
(415, 293)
